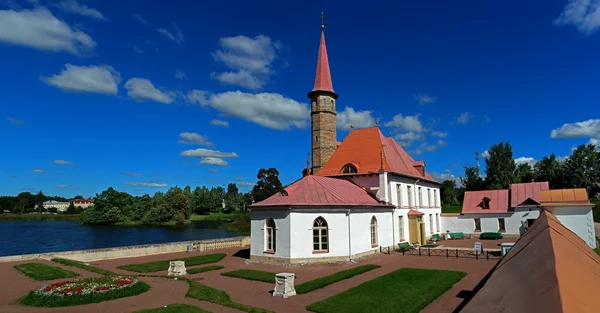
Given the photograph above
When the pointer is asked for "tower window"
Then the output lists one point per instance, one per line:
(349, 169)
(316, 138)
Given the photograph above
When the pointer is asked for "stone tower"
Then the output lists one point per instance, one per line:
(322, 113)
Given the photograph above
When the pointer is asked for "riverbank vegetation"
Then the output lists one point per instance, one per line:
(151, 267)
(37, 217)
(40, 271)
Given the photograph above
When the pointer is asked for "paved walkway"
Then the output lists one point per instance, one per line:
(167, 291)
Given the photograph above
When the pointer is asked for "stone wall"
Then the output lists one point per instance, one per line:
(324, 141)
(134, 251)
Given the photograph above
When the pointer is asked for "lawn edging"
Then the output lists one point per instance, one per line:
(156, 266)
(266, 277)
(333, 278)
(84, 266)
(205, 293)
(174, 308)
(197, 270)
(40, 271)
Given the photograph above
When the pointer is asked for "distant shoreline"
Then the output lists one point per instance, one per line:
(38, 217)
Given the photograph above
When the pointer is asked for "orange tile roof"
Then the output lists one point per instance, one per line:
(364, 147)
(322, 191)
(576, 195)
(550, 269)
(519, 193)
(498, 201)
(415, 212)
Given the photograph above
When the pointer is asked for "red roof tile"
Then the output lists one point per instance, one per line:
(363, 148)
(323, 75)
(322, 191)
(415, 212)
(498, 201)
(519, 193)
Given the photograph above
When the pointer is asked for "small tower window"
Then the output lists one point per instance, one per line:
(349, 169)
(316, 138)
(485, 203)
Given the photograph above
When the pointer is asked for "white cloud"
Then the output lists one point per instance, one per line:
(194, 138)
(38, 170)
(213, 161)
(528, 160)
(425, 147)
(245, 184)
(589, 128)
(447, 170)
(440, 134)
(140, 19)
(86, 79)
(584, 14)
(406, 123)
(133, 174)
(485, 154)
(270, 110)
(176, 36)
(407, 139)
(444, 177)
(67, 187)
(179, 74)
(142, 89)
(423, 98)
(219, 123)
(39, 29)
(441, 143)
(464, 118)
(205, 153)
(359, 119)
(14, 121)
(250, 58)
(138, 50)
(72, 6)
(62, 162)
(146, 184)
(214, 170)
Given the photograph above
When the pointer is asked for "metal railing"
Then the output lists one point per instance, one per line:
(452, 253)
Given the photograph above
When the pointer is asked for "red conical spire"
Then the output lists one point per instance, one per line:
(323, 75)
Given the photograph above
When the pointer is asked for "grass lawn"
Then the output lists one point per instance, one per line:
(217, 216)
(267, 277)
(407, 290)
(39, 271)
(597, 251)
(164, 265)
(175, 308)
(214, 295)
(333, 278)
(84, 266)
(36, 299)
(204, 269)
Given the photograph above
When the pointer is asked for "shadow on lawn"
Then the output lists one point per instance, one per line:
(244, 254)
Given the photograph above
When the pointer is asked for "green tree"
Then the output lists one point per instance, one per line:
(78, 197)
(582, 168)
(448, 193)
(109, 207)
(140, 206)
(178, 201)
(25, 202)
(39, 200)
(268, 184)
(232, 189)
(523, 173)
(500, 166)
(71, 209)
(549, 169)
(472, 181)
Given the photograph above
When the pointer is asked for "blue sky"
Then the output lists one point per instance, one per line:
(113, 93)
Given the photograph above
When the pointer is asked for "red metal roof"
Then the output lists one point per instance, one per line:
(322, 191)
(323, 75)
(363, 147)
(415, 212)
(519, 193)
(498, 201)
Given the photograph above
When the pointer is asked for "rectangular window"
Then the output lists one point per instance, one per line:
(429, 197)
(399, 193)
(401, 227)
(437, 222)
(420, 198)
(431, 223)
(435, 198)
(501, 227)
(269, 238)
(410, 196)
(477, 225)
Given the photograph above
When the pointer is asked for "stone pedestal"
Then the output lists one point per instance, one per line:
(284, 285)
(177, 268)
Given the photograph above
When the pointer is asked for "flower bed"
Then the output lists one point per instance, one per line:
(87, 286)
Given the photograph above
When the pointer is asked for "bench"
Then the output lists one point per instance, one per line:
(490, 235)
(460, 235)
(404, 246)
(436, 237)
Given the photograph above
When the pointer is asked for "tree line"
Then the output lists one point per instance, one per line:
(26, 202)
(579, 170)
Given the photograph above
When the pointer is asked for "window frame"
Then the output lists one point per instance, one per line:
(435, 202)
(430, 223)
(401, 226)
(477, 221)
(373, 231)
(320, 227)
(270, 235)
(502, 229)
(437, 222)
(349, 169)
(410, 198)
(420, 197)
(399, 194)
(429, 197)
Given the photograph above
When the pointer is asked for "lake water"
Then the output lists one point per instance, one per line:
(54, 236)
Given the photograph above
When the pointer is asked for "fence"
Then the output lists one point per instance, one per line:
(453, 253)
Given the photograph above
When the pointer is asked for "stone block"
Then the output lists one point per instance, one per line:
(177, 268)
(284, 285)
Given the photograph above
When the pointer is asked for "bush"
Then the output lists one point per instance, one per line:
(52, 210)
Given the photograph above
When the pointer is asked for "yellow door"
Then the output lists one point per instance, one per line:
(423, 233)
(413, 229)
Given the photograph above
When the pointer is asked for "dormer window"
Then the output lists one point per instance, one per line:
(283, 193)
(485, 203)
(349, 169)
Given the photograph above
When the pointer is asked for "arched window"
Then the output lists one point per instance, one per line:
(349, 169)
(270, 235)
(320, 235)
(373, 231)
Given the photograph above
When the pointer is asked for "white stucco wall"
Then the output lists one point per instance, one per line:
(429, 229)
(360, 229)
(426, 188)
(302, 239)
(489, 222)
(258, 233)
(579, 220)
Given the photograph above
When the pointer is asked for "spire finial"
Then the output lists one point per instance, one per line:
(322, 21)
(351, 126)
(377, 123)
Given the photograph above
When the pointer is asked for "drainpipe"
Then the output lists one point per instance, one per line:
(349, 238)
